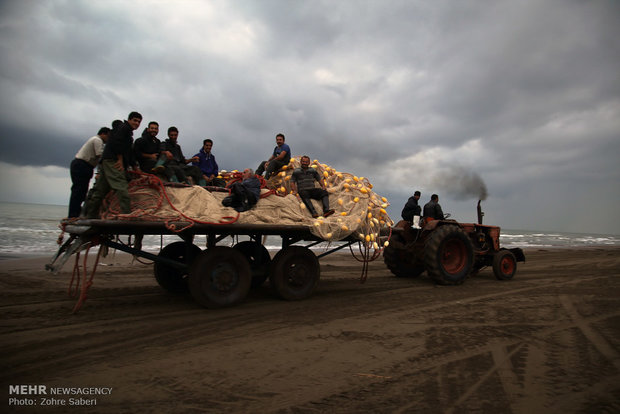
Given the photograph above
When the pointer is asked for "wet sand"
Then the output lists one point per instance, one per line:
(546, 341)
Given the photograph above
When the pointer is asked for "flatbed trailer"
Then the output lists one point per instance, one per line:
(218, 275)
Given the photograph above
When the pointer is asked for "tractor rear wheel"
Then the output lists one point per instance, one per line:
(398, 259)
(448, 255)
(504, 265)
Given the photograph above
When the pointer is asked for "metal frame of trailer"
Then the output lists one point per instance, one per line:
(219, 275)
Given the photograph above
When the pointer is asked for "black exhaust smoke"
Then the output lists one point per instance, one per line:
(460, 183)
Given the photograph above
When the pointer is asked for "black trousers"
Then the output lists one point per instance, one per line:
(81, 173)
(274, 165)
(314, 194)
(240, 198)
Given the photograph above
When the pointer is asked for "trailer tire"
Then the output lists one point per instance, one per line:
(169, 278)
(219, 276)
(504, 265)
(395, 257)
(259, 259)
(448, 255)
(294, 273)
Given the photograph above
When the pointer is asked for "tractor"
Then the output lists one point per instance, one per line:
(449, 251)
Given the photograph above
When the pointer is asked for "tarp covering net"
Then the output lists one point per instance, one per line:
(359, 210)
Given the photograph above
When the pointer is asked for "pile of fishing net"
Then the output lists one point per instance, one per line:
(359, 211)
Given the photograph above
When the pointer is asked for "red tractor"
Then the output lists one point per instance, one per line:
(449, 251)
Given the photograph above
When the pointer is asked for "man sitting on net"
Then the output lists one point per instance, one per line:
(281, 156)
(302, 184)
(245, 194)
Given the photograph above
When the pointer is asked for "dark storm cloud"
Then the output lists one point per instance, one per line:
(519, 96)
(36, 150)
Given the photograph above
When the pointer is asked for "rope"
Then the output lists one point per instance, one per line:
(141, 211)
(366, 258)
(76, 271)
(86, 282)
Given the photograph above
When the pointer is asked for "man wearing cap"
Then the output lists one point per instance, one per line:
(412, 208)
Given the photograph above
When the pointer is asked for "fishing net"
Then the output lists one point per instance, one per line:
(360, 212)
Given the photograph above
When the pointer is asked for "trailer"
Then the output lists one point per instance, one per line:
(217, 275)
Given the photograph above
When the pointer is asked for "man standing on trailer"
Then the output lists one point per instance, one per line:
(117, 158)
(82, 168)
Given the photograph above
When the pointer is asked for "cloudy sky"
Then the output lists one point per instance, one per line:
(518, 98)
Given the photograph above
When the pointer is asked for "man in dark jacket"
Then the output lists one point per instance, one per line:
(176, 162)
(207, 164)
(432, 209)
(245, 194)
(147, 147)
(412, 208)
(116, 159)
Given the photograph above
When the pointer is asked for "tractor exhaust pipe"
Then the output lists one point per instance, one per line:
(480, 213)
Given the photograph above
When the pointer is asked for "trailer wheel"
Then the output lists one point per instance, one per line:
(171, 279)
(398, 259)
(219, 276)
(294, 273)
(259, 259)
(504, 265)
(448, 255)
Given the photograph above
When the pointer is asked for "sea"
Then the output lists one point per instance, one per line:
(32, 230)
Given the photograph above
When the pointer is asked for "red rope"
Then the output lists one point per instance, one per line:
(86, 281)
(152, 181)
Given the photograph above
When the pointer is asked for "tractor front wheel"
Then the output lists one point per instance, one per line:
(504, 265)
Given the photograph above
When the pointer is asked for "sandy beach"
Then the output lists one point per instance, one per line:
(546, 341)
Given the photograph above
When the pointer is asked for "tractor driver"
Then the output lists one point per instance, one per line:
(432, 209)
